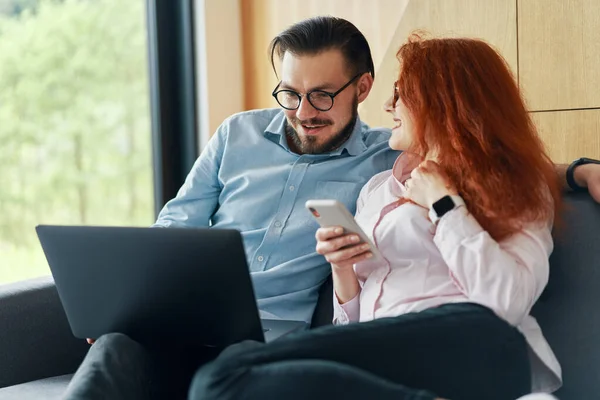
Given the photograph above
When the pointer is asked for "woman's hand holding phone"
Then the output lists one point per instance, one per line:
(341, 250)
(343, 243)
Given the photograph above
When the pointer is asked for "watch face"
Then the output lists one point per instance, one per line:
(443, 205)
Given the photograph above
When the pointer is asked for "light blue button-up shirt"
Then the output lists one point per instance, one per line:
(248, 179)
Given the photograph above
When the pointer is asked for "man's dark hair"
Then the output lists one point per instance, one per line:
(314, 35)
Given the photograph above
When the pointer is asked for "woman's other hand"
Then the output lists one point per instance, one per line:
(428, 183)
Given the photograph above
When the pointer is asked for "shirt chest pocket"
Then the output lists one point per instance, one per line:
(344, 192)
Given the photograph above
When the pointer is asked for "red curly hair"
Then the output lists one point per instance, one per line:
(468, 110)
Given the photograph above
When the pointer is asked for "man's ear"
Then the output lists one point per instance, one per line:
(365, 84)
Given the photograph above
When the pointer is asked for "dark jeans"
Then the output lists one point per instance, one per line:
(117, 367)
(456, 351)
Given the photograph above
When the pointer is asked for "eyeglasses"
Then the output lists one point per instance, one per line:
(396, 95)
(319, 99)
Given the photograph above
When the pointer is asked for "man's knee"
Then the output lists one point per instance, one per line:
(115, 340)
(117, 347)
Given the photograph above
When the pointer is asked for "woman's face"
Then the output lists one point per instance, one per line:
(403, 133)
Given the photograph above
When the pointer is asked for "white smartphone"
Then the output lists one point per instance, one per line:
(333, 213)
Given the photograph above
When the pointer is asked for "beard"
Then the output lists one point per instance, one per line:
(310, 144)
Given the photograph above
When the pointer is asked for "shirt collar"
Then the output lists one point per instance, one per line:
(354, 145)
(404, 165)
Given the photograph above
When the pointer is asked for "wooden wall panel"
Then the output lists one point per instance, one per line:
(220, 77)
(556, 54)
(263, 19)
(570, 134)
(491, 20)
(559, 53)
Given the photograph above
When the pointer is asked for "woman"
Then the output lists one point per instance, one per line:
(463, 221)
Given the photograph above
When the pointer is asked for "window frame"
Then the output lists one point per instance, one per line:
(173, 101)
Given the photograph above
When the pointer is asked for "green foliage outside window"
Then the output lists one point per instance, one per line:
(75, 142)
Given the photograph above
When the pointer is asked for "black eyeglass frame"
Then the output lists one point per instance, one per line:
(331, 95)
(396, 94)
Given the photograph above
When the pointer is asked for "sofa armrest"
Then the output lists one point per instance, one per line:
(35, 339)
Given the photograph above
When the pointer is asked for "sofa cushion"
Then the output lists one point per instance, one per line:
(47, 389)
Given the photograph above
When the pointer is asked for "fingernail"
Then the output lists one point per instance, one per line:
(369, 255)
(339, 231)
(355, 238)
(365, 247)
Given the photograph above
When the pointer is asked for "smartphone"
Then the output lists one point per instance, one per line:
(333, 213)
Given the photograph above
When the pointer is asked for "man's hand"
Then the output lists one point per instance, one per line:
(341, 251)
(427, 184)
(91, 341)
(588, 175)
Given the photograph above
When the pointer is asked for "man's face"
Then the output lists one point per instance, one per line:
(311, 131)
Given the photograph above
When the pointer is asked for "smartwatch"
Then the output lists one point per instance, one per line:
(571, 180)
(443, 206)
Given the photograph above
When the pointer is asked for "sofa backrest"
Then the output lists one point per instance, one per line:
(569, 309)
(323, 314)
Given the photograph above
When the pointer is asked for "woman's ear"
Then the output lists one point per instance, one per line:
(365, 84)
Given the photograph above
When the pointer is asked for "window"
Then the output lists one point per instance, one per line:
(75, 137)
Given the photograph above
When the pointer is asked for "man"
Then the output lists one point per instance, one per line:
(255, 176)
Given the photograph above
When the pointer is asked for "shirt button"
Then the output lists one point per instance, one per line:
(277, 224)
(260, 258)
(292, 188)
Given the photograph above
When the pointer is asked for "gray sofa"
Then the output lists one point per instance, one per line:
(38, 354)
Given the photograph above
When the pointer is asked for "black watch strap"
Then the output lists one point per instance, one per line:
(443, 205)
(570, 171)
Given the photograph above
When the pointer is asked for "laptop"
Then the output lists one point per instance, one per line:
(188, 286)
